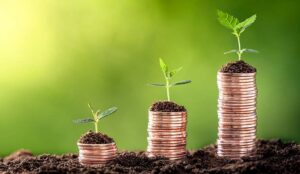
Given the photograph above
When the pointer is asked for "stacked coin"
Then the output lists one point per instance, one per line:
(167, 134)
(237, 114)
(96, 154)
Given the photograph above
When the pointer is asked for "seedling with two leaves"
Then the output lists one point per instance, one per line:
(168, 76)
(237, 28)
(96, 116)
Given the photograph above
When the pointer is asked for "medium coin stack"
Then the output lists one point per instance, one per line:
(237, 114)
(96, 154)
(167, 134)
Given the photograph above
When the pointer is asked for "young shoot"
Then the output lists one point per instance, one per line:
(97, 115)
(237, 28)
(168, 76)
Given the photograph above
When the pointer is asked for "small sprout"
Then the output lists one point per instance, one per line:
(96, 116)
(168, 75)
(237, 28)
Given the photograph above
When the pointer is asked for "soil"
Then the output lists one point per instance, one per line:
(95, 138)
(238, 67)
(166, 106)
(273, 156)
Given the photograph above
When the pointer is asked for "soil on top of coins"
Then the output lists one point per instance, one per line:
(95, 138)
(166, 106)
(238, 67)
(273, 156)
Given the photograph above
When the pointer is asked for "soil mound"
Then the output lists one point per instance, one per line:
(238, 67)
(95, 138)
(166, 106)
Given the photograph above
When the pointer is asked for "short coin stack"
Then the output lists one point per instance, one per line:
(237, 114)
(167, 134)
(96, 154)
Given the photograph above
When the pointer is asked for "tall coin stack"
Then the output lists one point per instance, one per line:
(167, 134)
(237, 114)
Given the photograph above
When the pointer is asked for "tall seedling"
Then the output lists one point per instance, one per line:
(168, 75)
(97, 115)
(237, 28)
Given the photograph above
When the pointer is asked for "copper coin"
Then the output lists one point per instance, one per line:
(236, 123)
(237, 74)
(174, 134)
(168, 119)
(237, 131)
(237, 115)
(236, 145)
(234, 88)
(170, 140)
(237, 118)
(235, 137)
(230, 101)
(234, 82)
(167, 114)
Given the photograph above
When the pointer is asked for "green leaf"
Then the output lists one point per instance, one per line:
(231, 51)
(107, 112)
(227, 20)
(98, 111)
(84, 120)
(157, 84)
(173, 72)
(91, 108)
(163, 66)
(181, 83)
(246, 23)
(249, 50)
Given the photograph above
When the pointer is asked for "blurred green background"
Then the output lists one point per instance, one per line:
(56, 56)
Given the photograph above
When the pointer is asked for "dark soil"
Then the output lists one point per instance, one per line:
(238, 67)
(273, 157)
(95, 138)
(166, 106)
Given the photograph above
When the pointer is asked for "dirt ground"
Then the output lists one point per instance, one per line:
(273, 156)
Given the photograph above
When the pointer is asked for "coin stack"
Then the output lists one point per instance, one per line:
(237, 114)
(167, 134)
(96, 154)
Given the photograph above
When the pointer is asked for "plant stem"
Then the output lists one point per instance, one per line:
(96, 122)
(168, 88)
(96, 126)
(239, 44)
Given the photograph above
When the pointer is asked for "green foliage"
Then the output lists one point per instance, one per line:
(107, 112)
(168, 75)
(96, 116)
(237, 28)
(181, 83)
(84, 120)
(245, 24)
(227, 20)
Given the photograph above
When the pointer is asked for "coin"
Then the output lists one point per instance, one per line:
(96, 154)
(167, 134)
(237, 114)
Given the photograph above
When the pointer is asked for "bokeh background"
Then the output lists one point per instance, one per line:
(56, 56)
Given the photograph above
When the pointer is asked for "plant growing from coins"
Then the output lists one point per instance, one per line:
(97, 115)
(168, 75)
(237, 28)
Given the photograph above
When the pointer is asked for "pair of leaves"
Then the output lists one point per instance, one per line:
(99, 115)
(242, 51)
(168, 74)
(172, 84)
(233, 23)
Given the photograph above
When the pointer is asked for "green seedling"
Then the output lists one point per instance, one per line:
(237, 28)
(168, 76)
(96, 116)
